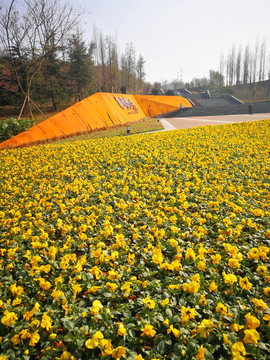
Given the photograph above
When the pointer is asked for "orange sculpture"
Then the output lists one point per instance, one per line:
(98, 111)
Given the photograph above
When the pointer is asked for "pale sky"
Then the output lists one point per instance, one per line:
(179, 36)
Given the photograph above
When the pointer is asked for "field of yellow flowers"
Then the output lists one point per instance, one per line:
(152, 246)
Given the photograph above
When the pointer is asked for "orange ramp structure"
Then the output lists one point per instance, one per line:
(98, 111)
(153, 105)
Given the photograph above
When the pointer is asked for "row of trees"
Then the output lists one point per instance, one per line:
(245, 65)
(117, 71)
(45, 58)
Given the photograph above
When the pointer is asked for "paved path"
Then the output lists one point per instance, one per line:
(167, 125)
(186, 122)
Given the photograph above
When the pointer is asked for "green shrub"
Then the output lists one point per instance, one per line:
(11, 127)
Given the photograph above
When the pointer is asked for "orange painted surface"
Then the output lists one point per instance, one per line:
(98, 111)
(153, 105)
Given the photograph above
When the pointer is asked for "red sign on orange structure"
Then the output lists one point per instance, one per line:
(126, 104)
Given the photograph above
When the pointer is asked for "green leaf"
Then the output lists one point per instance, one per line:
(228, 318)
(168, 342)
(169, 313)
(208, 354)
(176, 319)
(263, 346)
(107, 294)
(80, 342)
(184, 331)
(44, 357)
(192, 345)
(161, 347)
(177, 349)
(69, 325)
(69, 337)
(131, 333)
(159, 317)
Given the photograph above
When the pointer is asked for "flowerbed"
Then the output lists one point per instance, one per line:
(145, 247)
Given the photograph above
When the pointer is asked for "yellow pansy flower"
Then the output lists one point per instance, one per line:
(213, 287)
(148, 330)
(205, 327)
(118, 352)
(229, 278)
(106, 347)
(187, 314)
(149, 302)
(191, 287)
(93, 342)
(259, 303)
(34, 338)
(121, 330)
(157, 257)
(165, 302)
(96, 307)
(190, 254)
(221, 308)
(46, 322)
(238, 349)
(9, 318)
(252, 322)
(139, 357)
(236, 327)
(245, 284)
(173, 330)
(111, 286)
(200, 354)
(251, 336)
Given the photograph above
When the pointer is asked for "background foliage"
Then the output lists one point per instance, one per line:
(11, 127)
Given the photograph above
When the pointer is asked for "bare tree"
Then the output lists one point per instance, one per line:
(227, 72)
(28, 37)
(128, 67)
(140, 71)
(262, 55)
(96, 56)
(102, 58)
(94, 43)
(254, 68)
(221, 71)
(238, 66)
(251, 66)
(255, 61)
(266, 82)
(112, 62)
(246, 65)
(231, 66)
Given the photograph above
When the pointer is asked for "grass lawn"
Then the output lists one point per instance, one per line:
(136, 127)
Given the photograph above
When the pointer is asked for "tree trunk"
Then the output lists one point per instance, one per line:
(54, 104)
(27, 105)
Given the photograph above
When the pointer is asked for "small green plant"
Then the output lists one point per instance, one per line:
(12, 126)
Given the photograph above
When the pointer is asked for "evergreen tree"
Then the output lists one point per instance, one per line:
(80, 71)
(53, 84)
